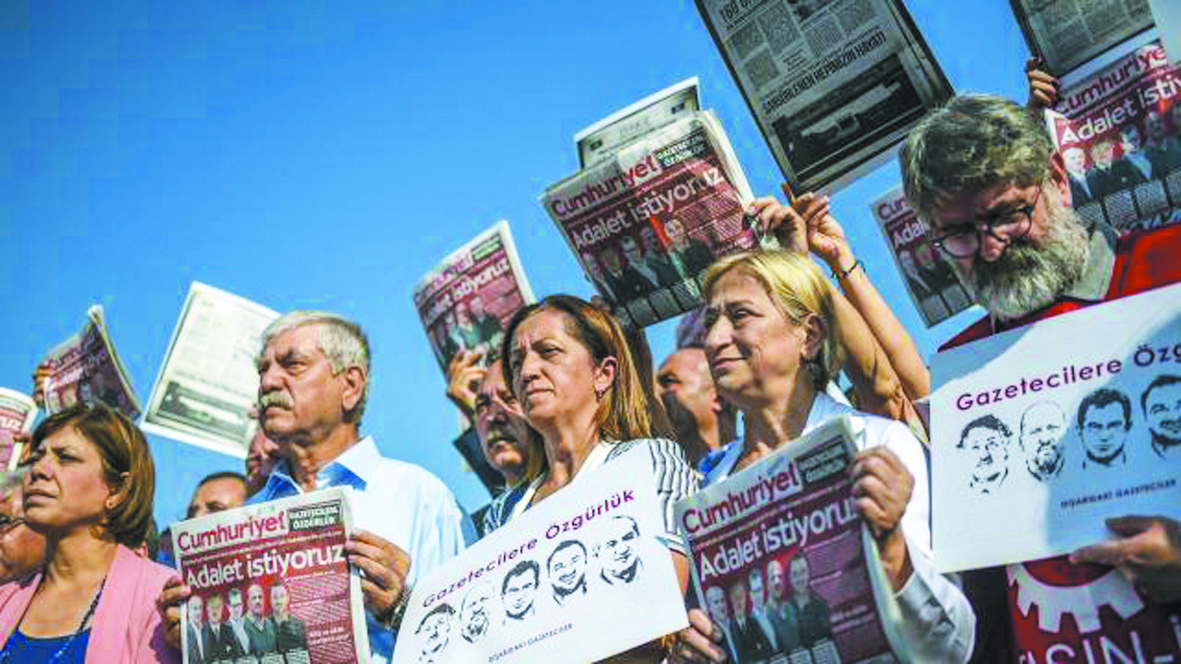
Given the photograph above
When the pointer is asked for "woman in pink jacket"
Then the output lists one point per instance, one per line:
(89, 491)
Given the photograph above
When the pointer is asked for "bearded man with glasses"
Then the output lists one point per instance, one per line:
(985, 176)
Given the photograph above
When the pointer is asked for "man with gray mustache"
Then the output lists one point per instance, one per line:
(313, 386)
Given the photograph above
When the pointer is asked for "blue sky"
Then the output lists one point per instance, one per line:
(309, 154)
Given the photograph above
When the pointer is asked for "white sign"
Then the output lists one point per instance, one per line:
(1042, 432)
(576, 578)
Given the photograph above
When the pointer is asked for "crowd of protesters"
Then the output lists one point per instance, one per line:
(569, 390)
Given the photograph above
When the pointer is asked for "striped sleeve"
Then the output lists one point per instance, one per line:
(674, 480)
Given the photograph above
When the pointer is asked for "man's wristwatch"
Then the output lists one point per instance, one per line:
(393, 618)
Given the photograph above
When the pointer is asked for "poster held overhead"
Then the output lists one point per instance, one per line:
(1067, 33)
(86, 368)
(17, 413)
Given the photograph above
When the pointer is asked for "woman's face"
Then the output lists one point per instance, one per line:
(66, 487)
(754, 351)
(554, 375)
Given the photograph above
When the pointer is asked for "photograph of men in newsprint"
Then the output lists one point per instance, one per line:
(1042, 427)
(1075, 160)
(475, 618)
(715, 604)
(780, 640)
(616, 553)
(750, 641)
(1164, 150)
(217, 636)
(291, 634)
(435, 631)
(238, 643)
(810, 609)
(693, 255)
(195, 631)
(1108, 176)
(519, 589)
(260, 630)
(602, 282)
(1161, 402)
(1104, 418)
(987, 438)
(566, 568)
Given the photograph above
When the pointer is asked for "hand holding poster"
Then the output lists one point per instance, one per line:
(576, 578)
(208, 381)
(468, 298)
(791, 516)
(86, 368)
(931, 281)
(1043, 432)
(17, 413)
(271, 583)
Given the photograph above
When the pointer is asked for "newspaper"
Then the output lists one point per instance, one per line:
(602, 139)
(86, 368)
(647, 222)
(1068, 33)
(576, 578)
(1044, 431)
(208, 380)
(467, 299)
(271, 584)
(832, 84)
(932, 283)
(1119, 132)
(789, 521)
(17, 413)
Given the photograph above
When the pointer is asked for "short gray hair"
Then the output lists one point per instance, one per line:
(970, 144)
(341, 340)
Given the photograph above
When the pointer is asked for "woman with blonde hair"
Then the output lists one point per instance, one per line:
(772, 348)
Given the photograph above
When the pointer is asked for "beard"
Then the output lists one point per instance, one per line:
(1028, 277)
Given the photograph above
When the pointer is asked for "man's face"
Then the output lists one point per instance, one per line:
(991, 451)
(1041, 437)
(1130, 140)
(715, 602)
(437, 628)
(518, 593)
(567, 569)
(618, 549)
(1162, 409)
(1104, 431)
(213, 608)
(775, 580)
(257, 601)
(756, 592)
(280, 600)
(1076, 160)
(195, 611)
(610, 259)
(592, 266)
(1154, 126)
(477, 307)
(300, 400)
(738, 599)
(675, 231)
(501, 425)
(475, 609)
(235, 606)
(1103, 153)
(800, 575)
(906, 260)
(651, 240)
(217, 496)
(687, 390)
(631, 250)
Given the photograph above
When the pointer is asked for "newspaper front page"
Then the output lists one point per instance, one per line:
(271, 584)
(86, 368)
(467, 299)
(1119, 132)
(646, 223)
(1043, 432)
(785, 565)
(832, 84)
(1068, 33)
(930, 279)
(208, 381)
(602, 139)
(575, 578)
(17, 413)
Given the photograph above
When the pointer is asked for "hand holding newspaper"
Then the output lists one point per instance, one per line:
(790, 520)
(86, 368)
(272, 584)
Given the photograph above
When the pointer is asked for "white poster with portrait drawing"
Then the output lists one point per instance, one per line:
(576, 578)
(1042, 432)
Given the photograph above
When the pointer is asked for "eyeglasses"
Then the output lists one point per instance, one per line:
(965, 241)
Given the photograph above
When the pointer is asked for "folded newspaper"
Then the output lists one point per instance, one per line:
(646, 222)
(466, 300)
(86, 368)
(271, 584)
(786, 566)
(208, 381)
(1065, 34)
(17, 413)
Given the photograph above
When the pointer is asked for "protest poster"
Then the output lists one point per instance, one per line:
(17, 413)
(1119, 132)
(832, 84)
(602, 139)
(467, 299)
(934, 287)
(1042, 432)
(646, 223)
(272, 584)
(1068, 33)
(581, 574)
(86, 368)
(789, 520)
(208, 381)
